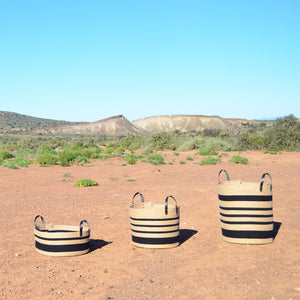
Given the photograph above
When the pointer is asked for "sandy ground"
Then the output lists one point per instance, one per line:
(202, 267)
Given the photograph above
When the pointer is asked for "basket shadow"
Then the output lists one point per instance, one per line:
(185, 234)
(97, 244)
(276, 227)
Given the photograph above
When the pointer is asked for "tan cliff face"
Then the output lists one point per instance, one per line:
(117, 125)
(182, 123)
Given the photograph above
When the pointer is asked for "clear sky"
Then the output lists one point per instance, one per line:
(88, 60)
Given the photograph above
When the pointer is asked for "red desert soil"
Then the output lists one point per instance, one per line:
(202, 267)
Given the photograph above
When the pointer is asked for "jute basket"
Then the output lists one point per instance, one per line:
(154, 225)
(61, 240)
(246, 210)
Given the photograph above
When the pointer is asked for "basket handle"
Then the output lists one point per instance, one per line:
(137, 193)
(166, 204)
(262, 180)
(227, 175)
(81, 226)
(42, 219)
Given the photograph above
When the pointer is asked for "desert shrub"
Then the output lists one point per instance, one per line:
(108, 150)
(131, 159)
(207, 151)
(284, 134)
(10, 165)
(237, 159)
(189, 158)
(211, 132)
(6, 154)
(21, 161)
(155, 159)
(209, 160)
(192, 144)
(46, 158)
(162, 141)
(81, 160)
(182, 162)
(67, 174)
(85, 182)
(249, 141)
(132, 142)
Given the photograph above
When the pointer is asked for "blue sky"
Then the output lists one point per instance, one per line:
(89, 60)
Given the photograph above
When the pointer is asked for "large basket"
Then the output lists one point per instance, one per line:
(246, 210)
(61, 240)
(154, 225)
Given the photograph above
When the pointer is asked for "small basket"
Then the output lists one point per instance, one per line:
(61, 240)
(246, 210)
(154, 225)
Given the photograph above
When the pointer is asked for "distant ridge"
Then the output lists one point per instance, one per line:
(14, 122)
(118, 125)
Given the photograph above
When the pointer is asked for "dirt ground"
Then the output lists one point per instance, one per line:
(202, 267)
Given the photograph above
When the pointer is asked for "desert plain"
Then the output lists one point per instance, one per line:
(203, 266)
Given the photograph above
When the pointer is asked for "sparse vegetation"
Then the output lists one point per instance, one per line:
(85, 183)
(237, 159)
(23, 149)
(209, 160)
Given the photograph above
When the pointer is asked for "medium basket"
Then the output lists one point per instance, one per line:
(154, 225)
(61, 240)
(246, 210)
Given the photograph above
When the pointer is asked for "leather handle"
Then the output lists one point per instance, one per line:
(226, 173)
(137, 193)
(81, 226)
(262, 180)
(42, 219)
(166, 204)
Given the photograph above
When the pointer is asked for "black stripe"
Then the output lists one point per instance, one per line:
(158, 232)
(54, 231)
(246, 216)
(138, 219)
(62, 248)
(245, 197)
(169, 225)
(246, 208)
(246, 222)
(62, 239)
(247, 234)
(155, 241)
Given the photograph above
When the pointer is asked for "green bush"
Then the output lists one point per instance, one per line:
(237, 159)
(46, 158)
(5, 154)
(156, 159)
(85, 182)
(207, 151)
(10, 165)
(284, 134)
(251, 142)
(81, 160)
(209, 160)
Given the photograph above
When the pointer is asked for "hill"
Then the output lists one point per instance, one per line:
(117, 125)
(186, 123)
(14, 122)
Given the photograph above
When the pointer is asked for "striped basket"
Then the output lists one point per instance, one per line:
(154, 225)
(61, 240)
(246, 210)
